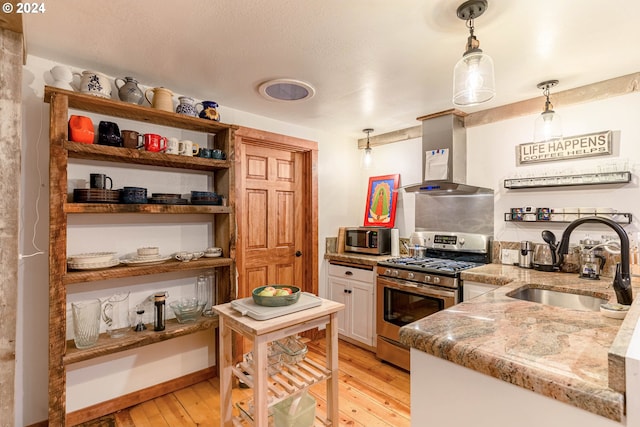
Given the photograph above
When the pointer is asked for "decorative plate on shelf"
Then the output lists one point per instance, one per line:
(212, 255)
(93, 265)
(145, 260)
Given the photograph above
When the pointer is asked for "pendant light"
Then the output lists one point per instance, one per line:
(473, 79)
(548, 125)
(367, 155)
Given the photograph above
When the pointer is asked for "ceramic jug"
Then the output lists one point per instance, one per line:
(62, 77)
(208, 110)
(186, 106)
(129, 91)
(162, 98)
(93, 83)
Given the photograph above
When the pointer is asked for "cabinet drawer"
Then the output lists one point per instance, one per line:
(351, 273)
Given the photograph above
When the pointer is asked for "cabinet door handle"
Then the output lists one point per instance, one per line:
(348, 273)
(298, 254)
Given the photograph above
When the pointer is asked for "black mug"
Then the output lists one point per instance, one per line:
(109, 134)
(99, 181)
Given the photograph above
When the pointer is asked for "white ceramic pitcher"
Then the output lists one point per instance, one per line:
(93, 83)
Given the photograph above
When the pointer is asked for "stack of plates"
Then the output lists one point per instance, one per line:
(167, 199)
(135, 259)
(92, 261)
(205, 198)
(95, 195)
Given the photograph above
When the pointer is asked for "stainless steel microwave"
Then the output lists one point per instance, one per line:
(368, 240)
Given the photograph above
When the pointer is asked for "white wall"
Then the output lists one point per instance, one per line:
(338, 183)
(491, 159)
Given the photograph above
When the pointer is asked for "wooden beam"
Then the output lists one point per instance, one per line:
(593, 92)
(395, 136)
(588, 93)
(10, 136)
(11, 21)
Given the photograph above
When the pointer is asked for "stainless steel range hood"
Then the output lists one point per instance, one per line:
(444, 156)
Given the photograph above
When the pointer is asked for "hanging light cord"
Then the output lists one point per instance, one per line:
(547, 105)
(472, 41)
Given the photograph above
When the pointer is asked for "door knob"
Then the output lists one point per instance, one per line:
(298, 253)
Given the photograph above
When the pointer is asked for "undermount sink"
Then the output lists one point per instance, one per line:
(559, 299)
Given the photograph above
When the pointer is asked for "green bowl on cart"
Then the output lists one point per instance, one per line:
(276, 300)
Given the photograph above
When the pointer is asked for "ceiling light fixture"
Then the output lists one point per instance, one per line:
(548, 125)
(473, 79)
(286, 90)
(367, 155)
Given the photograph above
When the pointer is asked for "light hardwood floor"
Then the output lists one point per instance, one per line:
(372, 393)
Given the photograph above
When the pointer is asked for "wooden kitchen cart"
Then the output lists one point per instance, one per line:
(63, 353)
(261, 333)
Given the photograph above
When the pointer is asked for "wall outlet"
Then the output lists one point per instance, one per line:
(509, 256)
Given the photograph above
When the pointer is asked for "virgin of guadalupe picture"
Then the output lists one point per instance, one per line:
(381, 201)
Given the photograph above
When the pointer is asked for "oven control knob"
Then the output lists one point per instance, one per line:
(395, 273)
(411, 275)
(387, 271)
(461, 241)
(436, 280)
(427, 278)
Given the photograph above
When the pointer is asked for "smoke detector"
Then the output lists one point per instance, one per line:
(286, 90)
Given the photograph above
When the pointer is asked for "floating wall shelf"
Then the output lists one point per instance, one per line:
(568, 180)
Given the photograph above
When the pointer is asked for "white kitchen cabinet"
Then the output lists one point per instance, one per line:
(354, 287)
(475, 289)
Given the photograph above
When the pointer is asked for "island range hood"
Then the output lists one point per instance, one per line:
(444, 156)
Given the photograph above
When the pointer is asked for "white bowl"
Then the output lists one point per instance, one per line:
(148, 251)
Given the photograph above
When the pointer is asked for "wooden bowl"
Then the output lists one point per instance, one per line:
(276, 301)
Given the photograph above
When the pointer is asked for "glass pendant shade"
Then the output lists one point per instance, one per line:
(548, 126)
(366, 162)
(473, 79)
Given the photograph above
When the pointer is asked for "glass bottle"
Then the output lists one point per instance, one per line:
(159, 311)
(203, 291)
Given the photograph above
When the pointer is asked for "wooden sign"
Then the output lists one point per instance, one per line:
(588, 145)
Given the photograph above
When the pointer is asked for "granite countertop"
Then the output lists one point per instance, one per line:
(576, 357)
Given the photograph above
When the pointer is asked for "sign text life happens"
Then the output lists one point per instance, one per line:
(592, 144)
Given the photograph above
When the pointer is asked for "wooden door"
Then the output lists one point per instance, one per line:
(276, 203)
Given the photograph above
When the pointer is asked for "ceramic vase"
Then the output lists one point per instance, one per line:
(129, 91)
(186, 106)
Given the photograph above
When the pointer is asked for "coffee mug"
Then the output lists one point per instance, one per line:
(154, 142)
(218, 154)
(109, 134)
(131, 139)
(205, 152)
(99, 181)
(188, 148)
(173, 146)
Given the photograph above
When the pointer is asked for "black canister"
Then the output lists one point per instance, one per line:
(159, 311)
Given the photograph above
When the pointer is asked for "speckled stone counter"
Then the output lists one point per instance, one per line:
(355, 258)
(576, 357)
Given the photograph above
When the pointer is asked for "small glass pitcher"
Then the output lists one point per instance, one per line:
(115, 313)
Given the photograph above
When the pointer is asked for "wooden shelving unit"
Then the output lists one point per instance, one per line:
(62, 352)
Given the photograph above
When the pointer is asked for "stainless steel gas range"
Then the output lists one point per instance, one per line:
(411, 288)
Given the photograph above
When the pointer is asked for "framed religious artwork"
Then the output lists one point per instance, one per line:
(380, 210)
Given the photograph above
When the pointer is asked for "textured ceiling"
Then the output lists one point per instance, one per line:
(373, 63)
